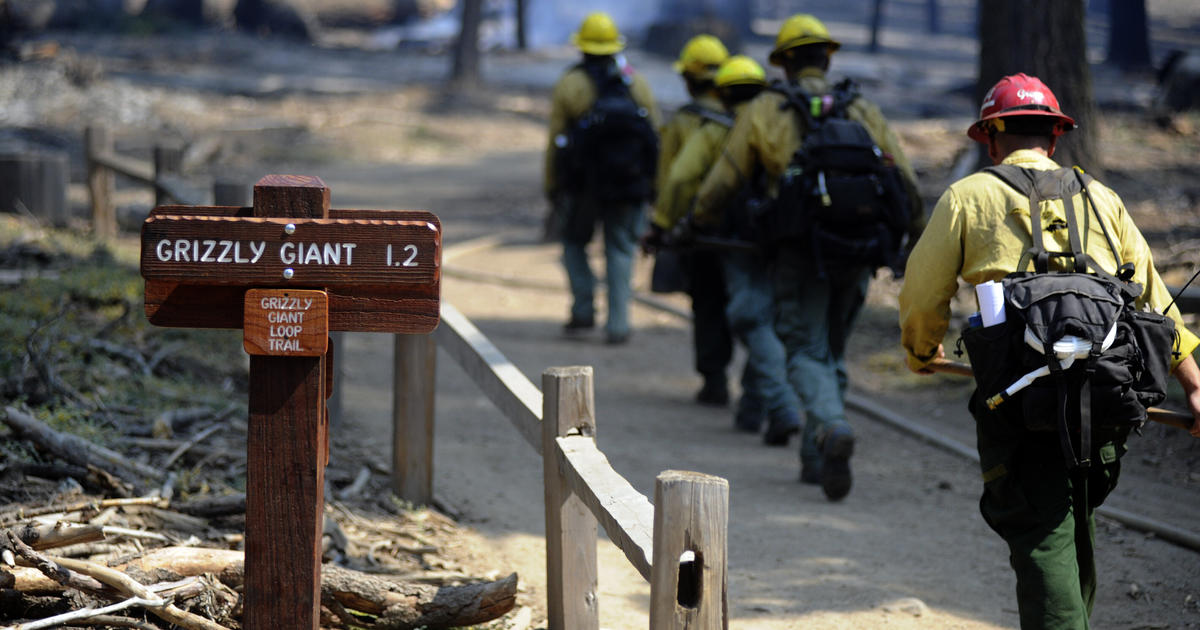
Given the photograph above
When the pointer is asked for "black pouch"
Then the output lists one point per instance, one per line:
(670, 274)
(992, 351)
(1154, 337)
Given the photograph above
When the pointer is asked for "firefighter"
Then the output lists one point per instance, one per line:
(599, 173)
(712, 342)
(979, 230)
(814, 311)
(748, 305)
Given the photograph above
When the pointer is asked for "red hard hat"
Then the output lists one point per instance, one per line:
(1017, 95)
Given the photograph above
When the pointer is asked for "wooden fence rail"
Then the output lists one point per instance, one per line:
(678, 543)
(162, 174)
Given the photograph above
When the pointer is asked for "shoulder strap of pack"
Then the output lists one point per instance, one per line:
(844, 93)
(605, 78)
(795, 98)
(1085, 179)
(712, 115)
(1062, 184)
(1022, 180)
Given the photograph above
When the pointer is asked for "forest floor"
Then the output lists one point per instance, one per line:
(907, 549)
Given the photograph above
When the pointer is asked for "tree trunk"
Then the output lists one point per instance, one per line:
(876, 26)
(465, 72)
(1046, 40)
(1128, 34)
(522, 35)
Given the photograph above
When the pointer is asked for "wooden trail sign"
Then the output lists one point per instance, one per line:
(287, 271)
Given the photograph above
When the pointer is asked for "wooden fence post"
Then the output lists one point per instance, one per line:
(568, 408)
(415, 374)
(168, 162)
(97, 141)
(232, 193)
(688, 574)
(35, 180)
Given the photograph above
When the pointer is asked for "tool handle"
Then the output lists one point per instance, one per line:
(1170, 418)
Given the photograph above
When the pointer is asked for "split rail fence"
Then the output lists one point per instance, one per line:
(163, 174)
(678, 543)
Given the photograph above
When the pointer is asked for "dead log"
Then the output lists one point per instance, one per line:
(30, 581)
(59, 535)
(22, 513)
(79, 574)
(75, 449)
(222, 505)
(397, 603)
(59, 573)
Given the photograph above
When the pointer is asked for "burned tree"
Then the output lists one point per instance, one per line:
(1046, 40)
(465, 71)
(1128, 34)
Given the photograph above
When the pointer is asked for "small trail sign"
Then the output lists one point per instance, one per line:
(286, 322)
(287, 271)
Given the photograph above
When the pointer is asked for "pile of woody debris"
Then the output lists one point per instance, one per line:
(122, 484)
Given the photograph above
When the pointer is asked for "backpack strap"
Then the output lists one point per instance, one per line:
(813, 108)
(1084, 178)
(844, 93)
(711, 115)
(1022, 180)
(606, 77)
(1082, 260)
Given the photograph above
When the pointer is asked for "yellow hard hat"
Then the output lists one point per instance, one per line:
(801, 29)
(598, 35)
(740, 70)
(701, 57)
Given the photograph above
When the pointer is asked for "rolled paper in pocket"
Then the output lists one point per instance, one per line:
(991, 302)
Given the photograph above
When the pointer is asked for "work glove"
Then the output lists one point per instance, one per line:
(653, 240)
(683, 233)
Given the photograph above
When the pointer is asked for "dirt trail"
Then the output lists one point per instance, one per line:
(907, 549)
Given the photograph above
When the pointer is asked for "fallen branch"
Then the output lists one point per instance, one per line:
(22, 513)
(183, 448)
(59, 535)
(132, 588)
(58, 572)
(123, 622)
(221, 505)
(74, 448)
(131, 355)
(397, 603)
(85, 613)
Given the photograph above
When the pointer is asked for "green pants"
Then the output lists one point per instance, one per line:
(1030, 499)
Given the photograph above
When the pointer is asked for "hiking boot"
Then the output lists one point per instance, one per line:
(836, 449)
(578, 326)
(750, 415)
(810, 474)
(781, 427)
(616, 339)
(714, 393)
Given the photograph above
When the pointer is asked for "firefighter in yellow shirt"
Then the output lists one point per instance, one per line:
(816, 302)
(599, 168)
(749, 308)
(712, 342)
(979, 231)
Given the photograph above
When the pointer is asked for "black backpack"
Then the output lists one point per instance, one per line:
(611, 151)
(1074, 355)
(839, 197)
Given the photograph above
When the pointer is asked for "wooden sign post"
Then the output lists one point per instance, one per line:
(287, 271)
